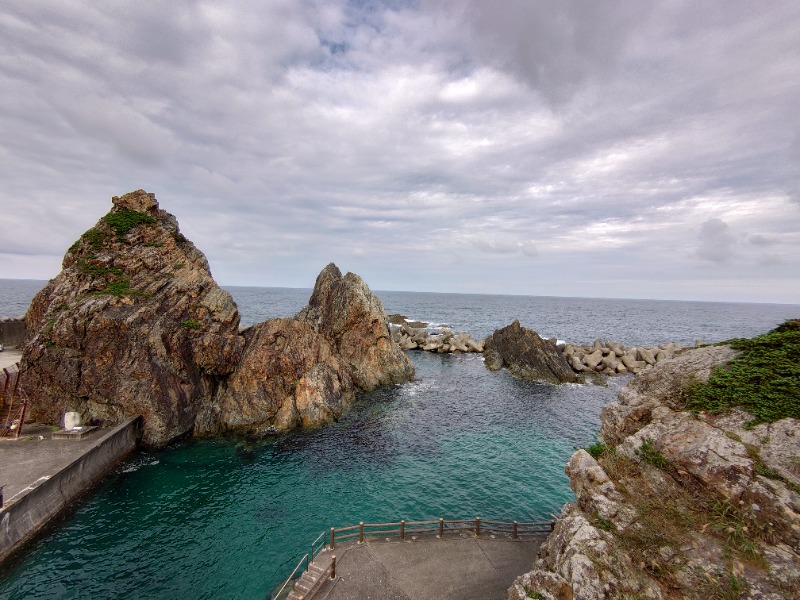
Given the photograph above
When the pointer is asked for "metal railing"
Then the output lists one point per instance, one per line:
(317, 546)
(403, 530)
(440, 528)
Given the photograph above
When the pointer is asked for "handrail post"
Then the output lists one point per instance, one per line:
(361, 532)
(441, 528)
(514, 531)
(333, 538)
(333, 566)
(403, 529)
(477, 526)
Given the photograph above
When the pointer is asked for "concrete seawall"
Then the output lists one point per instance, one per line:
(12, 332)
(31, 508)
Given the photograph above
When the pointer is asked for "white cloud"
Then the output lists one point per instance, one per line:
(433, 140)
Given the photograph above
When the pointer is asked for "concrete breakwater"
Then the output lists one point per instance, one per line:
(42, 477)
(604, 357)
(12, 331)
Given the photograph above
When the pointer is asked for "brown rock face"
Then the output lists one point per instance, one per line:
(352, 318)
(133, 325)
(526, 355)
(289, 376)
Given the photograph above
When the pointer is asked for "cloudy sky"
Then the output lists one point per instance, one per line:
(577, 148)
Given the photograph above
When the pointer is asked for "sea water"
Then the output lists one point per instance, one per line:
(229, 518)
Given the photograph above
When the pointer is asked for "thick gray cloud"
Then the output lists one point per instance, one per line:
(579, 148)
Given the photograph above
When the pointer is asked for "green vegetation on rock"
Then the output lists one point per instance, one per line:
(764, 379)
(97, 270)
(124, 220)
(119, 288)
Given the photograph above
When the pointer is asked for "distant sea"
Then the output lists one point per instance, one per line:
(229, 518)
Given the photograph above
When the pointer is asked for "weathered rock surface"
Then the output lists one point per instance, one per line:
(526, 355)
(289, 376)
(134, 324)
(344, 311)
(677, 506)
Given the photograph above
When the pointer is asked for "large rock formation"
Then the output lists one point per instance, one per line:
(351, 317)
(304, 371)
(133, 325)
(526, 355)
(676, 505)
(289, 376)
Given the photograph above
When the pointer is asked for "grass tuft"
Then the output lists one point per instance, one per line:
(123, 221)
(764, 379)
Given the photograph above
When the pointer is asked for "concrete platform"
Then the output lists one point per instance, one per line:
(9, 357)
(42, 476)
(463, 568)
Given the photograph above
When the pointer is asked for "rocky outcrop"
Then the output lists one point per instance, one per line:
(305, 371)
(676, 505)
(526, 355)
(289, 376)
(344, 311)
(133, 325)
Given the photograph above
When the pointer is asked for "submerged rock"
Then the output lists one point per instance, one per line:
(133, 325)
(526, 355)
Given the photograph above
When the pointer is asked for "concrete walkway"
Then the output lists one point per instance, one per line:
(9, 357)
(459, 568)
(34, 457)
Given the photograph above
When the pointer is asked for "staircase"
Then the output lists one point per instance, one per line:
(313, 578)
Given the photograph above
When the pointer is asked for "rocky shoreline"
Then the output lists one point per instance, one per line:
(601, 357)
(673, 504)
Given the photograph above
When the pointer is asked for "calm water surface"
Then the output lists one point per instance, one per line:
(230, 518)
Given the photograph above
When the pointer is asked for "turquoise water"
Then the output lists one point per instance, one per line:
(229, 519)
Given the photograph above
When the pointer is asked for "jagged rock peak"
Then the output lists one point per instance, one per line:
(352, 318)
(133, 324)
(139, 201)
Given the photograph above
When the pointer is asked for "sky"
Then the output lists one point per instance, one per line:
(621, 149)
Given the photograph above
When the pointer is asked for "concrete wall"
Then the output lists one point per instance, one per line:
(12, 332)
(20, 521)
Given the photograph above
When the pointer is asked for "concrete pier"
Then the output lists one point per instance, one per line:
(462, 568)
(42, 476)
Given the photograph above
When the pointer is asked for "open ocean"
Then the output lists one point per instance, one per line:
(229, 519)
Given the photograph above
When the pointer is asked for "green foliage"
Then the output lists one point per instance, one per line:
(739, 527)
(97, 270)
(95, 238)
(535, 595)
(597, 449)
(154, 244)
(123, 221)
(601, 522)
(190, 324)
(650, 455)
(119, 288)
(764, 379)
